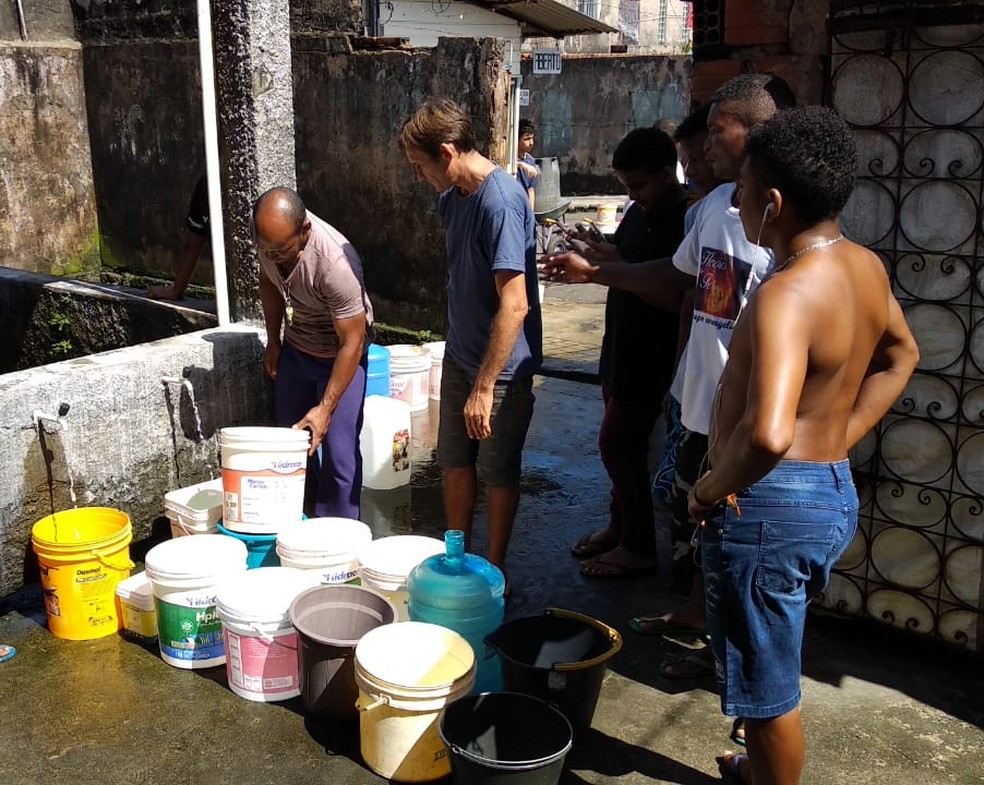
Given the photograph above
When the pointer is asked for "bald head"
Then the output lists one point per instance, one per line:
(281, 225)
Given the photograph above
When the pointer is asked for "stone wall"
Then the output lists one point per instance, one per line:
(47, 202)
(139, 422)
(582, 113)
(350, 108)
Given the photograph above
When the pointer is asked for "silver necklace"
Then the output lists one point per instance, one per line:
(811, 247)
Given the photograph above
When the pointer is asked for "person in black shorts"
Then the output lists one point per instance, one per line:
(195, 238)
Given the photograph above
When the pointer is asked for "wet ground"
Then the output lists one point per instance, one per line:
(879, 708)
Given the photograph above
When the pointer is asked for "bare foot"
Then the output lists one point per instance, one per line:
(683, 619)
(595, 543)
(619, 562)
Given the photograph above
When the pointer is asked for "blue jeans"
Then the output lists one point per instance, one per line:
(333, 481)
(761, 569)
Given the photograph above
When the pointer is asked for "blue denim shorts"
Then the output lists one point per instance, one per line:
(500, 457)
(761, 569)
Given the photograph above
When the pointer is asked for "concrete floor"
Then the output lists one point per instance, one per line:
(880, 708)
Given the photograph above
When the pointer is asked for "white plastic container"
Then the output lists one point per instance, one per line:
(195, 509)
(385, 443)
(329, 547)
(260, 641)
(262, 477)
(410, 375)
(436, 349)
(385, 565)
(136, 597)
(185, 574)
(401, 697)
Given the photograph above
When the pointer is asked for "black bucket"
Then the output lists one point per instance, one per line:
(330, 621)
(499, 738)
(560, 656)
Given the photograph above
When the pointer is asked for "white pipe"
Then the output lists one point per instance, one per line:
(209, 114)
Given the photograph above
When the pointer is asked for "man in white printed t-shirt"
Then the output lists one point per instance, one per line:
(724, 268)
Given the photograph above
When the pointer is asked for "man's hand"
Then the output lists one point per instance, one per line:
(478, 414)
(699, 508)
(531, 171)
(600, 252)
(568, 268)
(317, 420)
(271, 357)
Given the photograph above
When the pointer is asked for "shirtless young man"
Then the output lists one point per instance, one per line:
(818, 356)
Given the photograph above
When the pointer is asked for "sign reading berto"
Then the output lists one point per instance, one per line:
(546, 61)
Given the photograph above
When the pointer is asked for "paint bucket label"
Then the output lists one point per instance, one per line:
(189, 627)
(266, 668)
(261, 496)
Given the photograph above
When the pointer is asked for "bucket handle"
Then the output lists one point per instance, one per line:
(102, 557)
(611, 632)
(268, 639)
(380, 700)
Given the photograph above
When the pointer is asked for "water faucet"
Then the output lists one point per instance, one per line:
(55, 421)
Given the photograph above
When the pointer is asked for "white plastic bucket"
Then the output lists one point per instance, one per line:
(329, 546)
(195, 509)
(436, 349)
(401, 697)
(385, 443)
(185, 574)
(136, 597)
(385, 565)
(410, 375)
(260, 641)
(262, 477)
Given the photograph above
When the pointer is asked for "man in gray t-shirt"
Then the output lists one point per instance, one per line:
(312, 289)
(494, 342)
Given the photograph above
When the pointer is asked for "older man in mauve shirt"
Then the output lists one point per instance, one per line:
(311, 287)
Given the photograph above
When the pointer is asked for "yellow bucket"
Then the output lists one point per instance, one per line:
(84, 553)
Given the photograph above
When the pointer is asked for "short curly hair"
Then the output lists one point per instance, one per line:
(754, 98)
(810, 155)
(644, 149)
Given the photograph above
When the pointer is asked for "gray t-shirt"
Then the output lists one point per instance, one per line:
(326, 284)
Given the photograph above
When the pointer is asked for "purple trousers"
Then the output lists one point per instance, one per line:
(333, 482)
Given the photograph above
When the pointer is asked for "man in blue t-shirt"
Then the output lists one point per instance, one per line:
(494, 340)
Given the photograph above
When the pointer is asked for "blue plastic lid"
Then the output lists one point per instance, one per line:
(455, 579)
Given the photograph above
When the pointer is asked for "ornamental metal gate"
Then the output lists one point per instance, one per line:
(912, 84)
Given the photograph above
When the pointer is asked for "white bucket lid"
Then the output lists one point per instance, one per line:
(331, 536)
(430, 656)
(196, 557)
(137, 590)
(436, 348)
(396, 556)
(264, 433)
(262, 594)
(408, 358)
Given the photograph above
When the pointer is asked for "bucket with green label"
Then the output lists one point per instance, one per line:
(185, 574)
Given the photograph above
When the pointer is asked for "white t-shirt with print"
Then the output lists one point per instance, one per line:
(728, 268)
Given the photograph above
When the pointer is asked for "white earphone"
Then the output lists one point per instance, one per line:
(769, 208)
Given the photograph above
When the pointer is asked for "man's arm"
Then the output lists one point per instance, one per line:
(191, 249)
(351, 341)
(273, 316)
(513, 308)
(658, 282)
(893, 362)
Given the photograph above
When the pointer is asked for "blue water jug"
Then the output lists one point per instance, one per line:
(463, 592)
(378, 371)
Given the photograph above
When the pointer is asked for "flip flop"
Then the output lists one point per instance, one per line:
(658, 625)
(730, 767)
(694, 664)
(6, 652)
(737, 734)
(599, 568)
(589, 545)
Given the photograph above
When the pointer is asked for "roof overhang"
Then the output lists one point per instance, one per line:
(546, 18)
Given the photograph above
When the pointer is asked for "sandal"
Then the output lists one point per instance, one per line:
(694, 664)
(737, 734)
(659, 625)
(592, 545)
(731, 766)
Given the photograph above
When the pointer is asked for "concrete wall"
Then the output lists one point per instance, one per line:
(47, 319)
(583, 113)
(129, 434)
(350, 108)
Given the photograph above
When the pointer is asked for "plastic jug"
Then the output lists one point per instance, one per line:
(385, 443)
(463, 592)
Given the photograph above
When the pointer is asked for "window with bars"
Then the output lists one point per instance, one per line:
(588, 8)
(661, 28)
